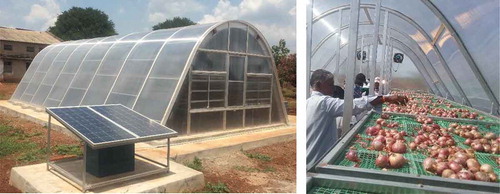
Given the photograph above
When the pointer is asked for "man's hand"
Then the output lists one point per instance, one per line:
(401, 100)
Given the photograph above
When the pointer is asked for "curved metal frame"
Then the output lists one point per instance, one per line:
(414, 24)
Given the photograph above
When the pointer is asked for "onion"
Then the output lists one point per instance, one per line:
(465, 175)
(493, 177)
(413, 146)
(382, 161)
(397, 160)
(486, 168)
(379, 120)
(377, 145)
(481, 176)
(380, 138)
(455, 167)
(477, 147)
(352, 155)
(453, 176)
(444, 151)
(429, 165)
(460, 161)
(447, 173)
(468, 141)
(399, 147)
(487, 148)
(473, 165)
(440, 167)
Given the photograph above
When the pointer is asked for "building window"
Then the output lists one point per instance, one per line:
(7, 67)
(30, 49)
(28, 65)
(7, 47)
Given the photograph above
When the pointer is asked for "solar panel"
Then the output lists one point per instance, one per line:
(133, 121)
(109, 125)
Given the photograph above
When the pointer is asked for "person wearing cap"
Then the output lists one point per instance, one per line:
(322, 109)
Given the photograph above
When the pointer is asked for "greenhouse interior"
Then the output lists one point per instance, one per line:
(446, 138)
(193, 79)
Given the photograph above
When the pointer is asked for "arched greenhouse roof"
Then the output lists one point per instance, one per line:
(454, 44)
(144, 71)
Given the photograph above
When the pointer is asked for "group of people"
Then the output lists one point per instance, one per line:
(326, 104)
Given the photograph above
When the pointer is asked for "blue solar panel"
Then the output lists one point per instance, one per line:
(133, 121)
(109, 125)
(91, 125)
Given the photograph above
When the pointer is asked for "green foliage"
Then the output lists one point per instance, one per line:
(33, 155)
(174, 23)
(11, 141)
(219, 187)
(257, 156)
(280, 51)
(81, 23)
(195, 164)
(68, 150)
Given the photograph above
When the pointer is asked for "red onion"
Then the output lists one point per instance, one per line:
(477, 147)
(377, 145)
(486, 168)
(487, 148)
(490, 135)
(413, 146)
(465, 175)
(481, 176)
(379, 120)
(441, 166)
(468, 141)
(444, 151)
(397, 160)
(429, 165)
(460, 161)
(352, 155)
(453, 176)
(447, 173)
(473, 165)
(382, 161)
(493, 177)
(380, 138)
(399, 147)
(455, 167)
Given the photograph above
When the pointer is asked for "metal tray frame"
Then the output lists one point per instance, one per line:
(430, 182)
(82, 184)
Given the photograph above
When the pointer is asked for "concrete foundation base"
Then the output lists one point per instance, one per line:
(36, 179)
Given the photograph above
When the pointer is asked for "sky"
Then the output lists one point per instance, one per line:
(274, 18)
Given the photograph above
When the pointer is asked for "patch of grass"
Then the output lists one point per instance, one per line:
(269, 169)
(33, 155)
(11, 141)
(258, 156)
(68, 150)
(289, 92)
(195, 164)
(218, 187)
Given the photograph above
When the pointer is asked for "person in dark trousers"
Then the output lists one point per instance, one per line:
(322, 109)
(359, 81)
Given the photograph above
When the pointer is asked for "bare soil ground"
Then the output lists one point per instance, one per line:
(242, 174)
(6, 90)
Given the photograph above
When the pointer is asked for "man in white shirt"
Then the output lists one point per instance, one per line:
(322, 109)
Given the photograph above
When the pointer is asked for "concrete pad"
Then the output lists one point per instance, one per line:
(36, 179)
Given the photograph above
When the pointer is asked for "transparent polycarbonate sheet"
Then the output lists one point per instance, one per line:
(324, 27)
(135, 36)
(321, 6)
(133, 74)
(85, 74)
(178, 118)
(217, 39)
(256, 117)
(163, 79)
(477, 24)
(433, 58)
(29, 73)
(51, 75)
(40, 73)
(463, 74)
(209, 61)
(193, 33)
(106, 74)
(238, 37)
(161, 34)
(236, 68)
(259, 65)
(256, 44)
(64, 79)
(205, 122)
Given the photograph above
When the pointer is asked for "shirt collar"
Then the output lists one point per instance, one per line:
(316, 93)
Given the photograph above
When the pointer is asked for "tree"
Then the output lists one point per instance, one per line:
(287, 70)
(81, 23)
(280, 51)
(174, 23)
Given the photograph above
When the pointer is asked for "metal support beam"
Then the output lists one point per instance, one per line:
(461, 46)
(351, 59)
(438, 34)
(384, 55)
(309, 20)
(339, 41)
(373, 54)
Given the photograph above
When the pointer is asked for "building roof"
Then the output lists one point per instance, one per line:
(29, 36)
